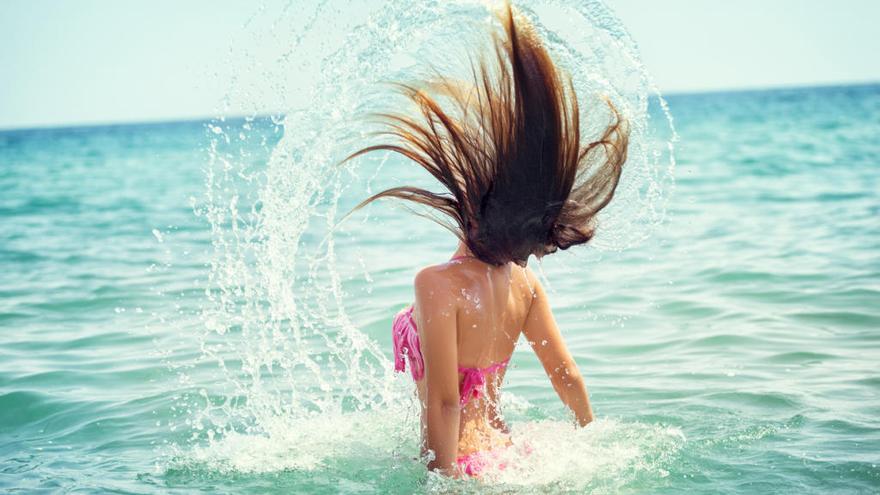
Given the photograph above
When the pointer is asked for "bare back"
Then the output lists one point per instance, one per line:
(491, 305)
(470, 315)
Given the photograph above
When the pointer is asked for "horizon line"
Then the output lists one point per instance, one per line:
(206, 118)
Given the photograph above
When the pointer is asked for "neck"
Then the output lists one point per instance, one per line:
(462, 250)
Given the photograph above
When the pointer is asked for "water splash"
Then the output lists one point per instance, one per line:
(552, 456)
(299, 386)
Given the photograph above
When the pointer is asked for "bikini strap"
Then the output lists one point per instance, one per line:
(473, 383)
(492, 368)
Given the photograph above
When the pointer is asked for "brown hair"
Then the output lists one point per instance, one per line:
(508, 152)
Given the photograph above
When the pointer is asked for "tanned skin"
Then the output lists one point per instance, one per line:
(470, 313)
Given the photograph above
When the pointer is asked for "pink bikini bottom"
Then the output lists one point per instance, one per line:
(476, 462)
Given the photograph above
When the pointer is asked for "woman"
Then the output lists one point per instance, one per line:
(507, 149)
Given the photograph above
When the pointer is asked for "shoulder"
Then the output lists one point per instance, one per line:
(436, 287)
(531, 284)
(529, 275)
(436, 279)
(432, 273)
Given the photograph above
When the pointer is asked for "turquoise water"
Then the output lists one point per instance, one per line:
(182, 310)
(734, 351)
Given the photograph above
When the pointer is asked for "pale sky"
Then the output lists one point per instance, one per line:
(696, 45)
(106, 61)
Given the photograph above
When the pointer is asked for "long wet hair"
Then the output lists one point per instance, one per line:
(518, 181)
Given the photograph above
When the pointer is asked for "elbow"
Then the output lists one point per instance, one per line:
(445, 402)
(575, 380)
(568, 377)
(571, 388)
(447, 405)
(451, 406)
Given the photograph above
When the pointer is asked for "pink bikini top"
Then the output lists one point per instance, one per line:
(405, 337)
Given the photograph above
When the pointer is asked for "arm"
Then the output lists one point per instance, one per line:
(436, 321)
(543, 335)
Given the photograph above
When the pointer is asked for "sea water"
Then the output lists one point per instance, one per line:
(183, 311)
